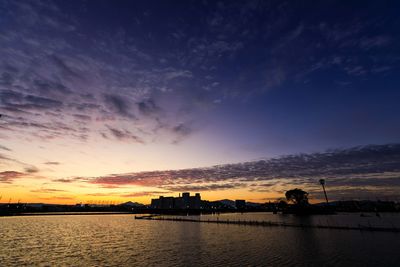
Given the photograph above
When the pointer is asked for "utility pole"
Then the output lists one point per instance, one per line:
(322, 182)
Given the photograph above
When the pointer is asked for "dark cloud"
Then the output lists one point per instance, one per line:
(355, 167)
(63, 180)
(84, 106)
(148, 107)
(20, 102)
(181, 131)
(6, 79)
(31, 169)
(370, 181)
(65, 69)
(70, 180)
(9, 96)
(41, 102)
(119, 105)
(82, 117)
(125, 135)
(50, 87)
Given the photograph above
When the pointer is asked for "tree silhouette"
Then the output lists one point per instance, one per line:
(297, 197)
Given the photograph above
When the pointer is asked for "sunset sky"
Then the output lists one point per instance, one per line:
(127, 100)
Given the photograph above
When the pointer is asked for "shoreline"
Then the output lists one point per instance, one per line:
(158, 213)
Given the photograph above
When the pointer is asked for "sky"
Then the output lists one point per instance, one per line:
(111, 101)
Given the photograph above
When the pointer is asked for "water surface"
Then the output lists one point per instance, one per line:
(120, 240)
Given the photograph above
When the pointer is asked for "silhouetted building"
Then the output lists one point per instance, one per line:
(240, 204)
(184, 202)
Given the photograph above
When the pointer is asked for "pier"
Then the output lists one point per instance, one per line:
(271, 224)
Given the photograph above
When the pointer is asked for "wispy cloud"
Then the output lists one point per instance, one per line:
(181, 131)
(52, 163)
(31, 169)
(51, 86)
(10, 176)
(124, 135)
(5, 148)
(52, 94)
(119, 105)
(47, 190)
(58, 198)
(70, 180)
(143, 194)
(205, 187)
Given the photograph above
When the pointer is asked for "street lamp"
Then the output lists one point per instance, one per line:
(322, 182)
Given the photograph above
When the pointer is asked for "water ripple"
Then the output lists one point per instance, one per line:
(119, 240)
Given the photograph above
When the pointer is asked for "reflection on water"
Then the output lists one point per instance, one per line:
(120, 240)
(342, 219)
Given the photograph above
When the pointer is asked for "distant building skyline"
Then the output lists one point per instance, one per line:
(182, 202)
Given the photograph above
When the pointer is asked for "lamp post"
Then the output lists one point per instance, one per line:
(322, 182)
